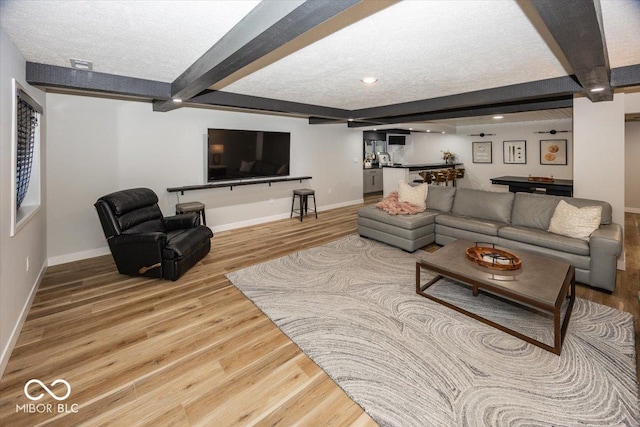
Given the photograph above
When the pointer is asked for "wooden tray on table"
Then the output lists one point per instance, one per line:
(494, 258)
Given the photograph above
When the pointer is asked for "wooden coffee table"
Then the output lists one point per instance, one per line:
(541, 283)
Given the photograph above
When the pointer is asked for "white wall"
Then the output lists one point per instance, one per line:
(428, 147)
(98, 146)
(632, 171)
(17, 285)
(599, 157)
(632, 154)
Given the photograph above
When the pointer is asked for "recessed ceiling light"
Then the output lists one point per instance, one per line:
(375, 129)
(80, 64)
(177, 100)
(597, 89)
(442, 131)
(428, 130)
(410, 128)
(369, 80)
(498, 117)
(350, 120)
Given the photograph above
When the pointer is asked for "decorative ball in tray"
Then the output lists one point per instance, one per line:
(494, 258)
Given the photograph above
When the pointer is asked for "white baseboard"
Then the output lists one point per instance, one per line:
(341, 205)
(92, 253)
(256, 221)
(13, 338)
(632, 210)
(622, 263)
(248, 223)
(77, 256)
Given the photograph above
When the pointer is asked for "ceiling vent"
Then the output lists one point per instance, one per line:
(80, 64)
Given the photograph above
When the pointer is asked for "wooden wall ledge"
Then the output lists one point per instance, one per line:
(230, 185)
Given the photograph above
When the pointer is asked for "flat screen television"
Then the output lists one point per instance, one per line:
(239, 154)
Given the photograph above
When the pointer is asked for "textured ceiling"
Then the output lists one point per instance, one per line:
(155, 40)
(417, 49)
(621, 21)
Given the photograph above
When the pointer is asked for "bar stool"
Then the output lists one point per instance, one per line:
(303, 194)
(441, 178)
(452, 175)
(427, 176)
(196, 207)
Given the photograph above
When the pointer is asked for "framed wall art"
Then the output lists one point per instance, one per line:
(482, 152)
(553, 152)
(514, 152)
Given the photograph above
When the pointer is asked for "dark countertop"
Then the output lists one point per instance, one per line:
(423, 166)
(525, 180)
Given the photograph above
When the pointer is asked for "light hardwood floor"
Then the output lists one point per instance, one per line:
(195, 351)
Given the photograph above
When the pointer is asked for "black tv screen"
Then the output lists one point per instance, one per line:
(396, 139)
(238, 154)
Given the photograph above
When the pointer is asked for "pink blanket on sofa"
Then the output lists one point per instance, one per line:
(393, 206)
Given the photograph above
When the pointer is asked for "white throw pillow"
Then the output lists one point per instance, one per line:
(575, 222)
(415, 195)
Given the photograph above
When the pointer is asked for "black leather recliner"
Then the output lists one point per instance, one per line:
(143, 242)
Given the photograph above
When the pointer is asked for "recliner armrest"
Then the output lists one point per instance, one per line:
(180, 222)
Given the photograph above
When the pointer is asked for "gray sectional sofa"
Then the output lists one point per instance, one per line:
(510, 220)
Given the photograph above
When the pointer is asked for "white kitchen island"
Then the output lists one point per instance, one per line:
(392, 174)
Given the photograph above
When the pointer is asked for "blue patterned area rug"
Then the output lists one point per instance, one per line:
(351, 306)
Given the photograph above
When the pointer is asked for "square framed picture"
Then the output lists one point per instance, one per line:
(514, 152)
(482, 152)
(553, 152)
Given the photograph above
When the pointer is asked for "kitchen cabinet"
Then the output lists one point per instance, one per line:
(372, 180)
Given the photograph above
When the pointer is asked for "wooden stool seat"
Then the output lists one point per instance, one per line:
(303, 207)
(187, 207)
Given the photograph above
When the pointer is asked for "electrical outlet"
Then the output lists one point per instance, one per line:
(27, 263)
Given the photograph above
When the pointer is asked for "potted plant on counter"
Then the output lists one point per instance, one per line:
(449, 157)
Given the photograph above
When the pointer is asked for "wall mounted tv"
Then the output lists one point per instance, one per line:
(238, 154)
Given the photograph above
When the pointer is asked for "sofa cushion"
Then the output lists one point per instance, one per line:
(489, 205)
(481, 226)
(440, 198)
(545, 239)
(408, 222)
(575, 222)
(416, 195)
(533, 210)
(536, 210)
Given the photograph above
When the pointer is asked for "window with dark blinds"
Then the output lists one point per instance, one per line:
(27, 121)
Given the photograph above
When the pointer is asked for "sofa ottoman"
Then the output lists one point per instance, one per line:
(407, 232)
